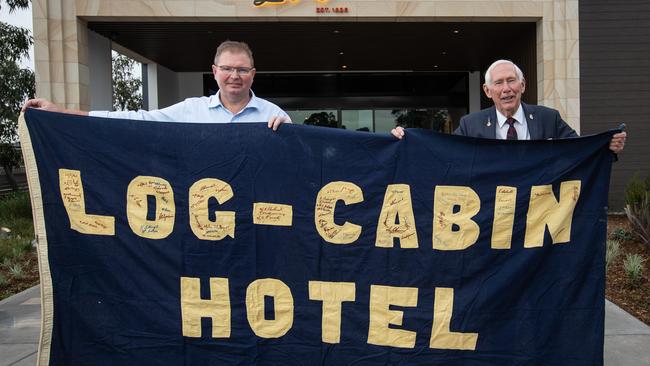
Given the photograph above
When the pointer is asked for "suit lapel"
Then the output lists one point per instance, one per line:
(532, 121)
(491, 123)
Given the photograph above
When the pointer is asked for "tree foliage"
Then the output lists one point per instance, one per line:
(16, 85)
(16, 4)
(126, 87)
(421, 118)
(323, 119)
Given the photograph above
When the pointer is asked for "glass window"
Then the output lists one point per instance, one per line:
(321, 117)
(379, 120)
(384, 120)
(435, 119)
(357, 120)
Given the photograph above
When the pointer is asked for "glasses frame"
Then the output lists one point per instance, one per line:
(242, 71)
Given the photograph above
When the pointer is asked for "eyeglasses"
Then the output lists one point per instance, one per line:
(238, 70)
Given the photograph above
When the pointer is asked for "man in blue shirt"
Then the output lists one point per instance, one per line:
(233, 70)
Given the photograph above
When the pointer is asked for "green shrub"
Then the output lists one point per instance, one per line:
(633, 266)
(16, 271)
(15, 205)
(14, 248)
(613, 250)
(621, 235)
(20, 247)
(637, 207)
(16, 214)
(635, 190)
(3, 280)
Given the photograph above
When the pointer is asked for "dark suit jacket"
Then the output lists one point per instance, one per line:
(545, 123)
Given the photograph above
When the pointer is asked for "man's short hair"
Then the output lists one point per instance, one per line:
(488, 76)
(234, 47)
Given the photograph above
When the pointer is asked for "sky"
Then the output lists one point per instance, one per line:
(21, 18)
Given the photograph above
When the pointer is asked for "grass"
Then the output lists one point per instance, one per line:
(17, 256)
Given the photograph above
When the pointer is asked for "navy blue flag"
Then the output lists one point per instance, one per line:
(231, 244)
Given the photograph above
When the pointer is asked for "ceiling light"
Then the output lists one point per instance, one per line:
(344, 67)
(456, 31)
(341, 53)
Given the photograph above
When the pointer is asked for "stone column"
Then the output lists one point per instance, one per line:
(61, 54)
(558, 59)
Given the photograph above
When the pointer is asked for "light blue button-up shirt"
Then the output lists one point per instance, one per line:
(202, 110)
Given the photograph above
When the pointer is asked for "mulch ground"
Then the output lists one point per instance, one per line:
(29, 263)
(633, 298)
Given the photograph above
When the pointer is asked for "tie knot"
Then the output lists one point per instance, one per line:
(511, 121)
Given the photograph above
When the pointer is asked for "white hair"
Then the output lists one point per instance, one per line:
(488, 73)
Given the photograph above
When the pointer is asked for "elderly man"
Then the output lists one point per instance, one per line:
(509, 118)
(233, 70)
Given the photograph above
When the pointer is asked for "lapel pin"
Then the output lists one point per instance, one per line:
(530, 116)
(488, 123)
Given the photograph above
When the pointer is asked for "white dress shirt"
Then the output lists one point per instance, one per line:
(521, 125)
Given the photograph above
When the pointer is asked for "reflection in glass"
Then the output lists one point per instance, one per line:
(380, 120)
(428, 118)
(323, 119)
(302, 116)
(357, 120)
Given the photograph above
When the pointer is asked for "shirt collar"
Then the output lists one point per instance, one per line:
(215, 102)
(518, 116)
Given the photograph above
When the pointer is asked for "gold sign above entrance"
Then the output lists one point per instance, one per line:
(319, 10)
(332, 10)
(259, 3)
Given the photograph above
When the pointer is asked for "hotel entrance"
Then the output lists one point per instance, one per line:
(365, 75)
(357, 75)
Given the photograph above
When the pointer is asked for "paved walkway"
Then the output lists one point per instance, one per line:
(627, 340)
(20, 323)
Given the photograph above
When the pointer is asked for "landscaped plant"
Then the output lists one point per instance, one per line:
(16, 271)
(637, 207)
(633, 266)
(613, 250)
(16, 214)
(17, 257)
(621, 235)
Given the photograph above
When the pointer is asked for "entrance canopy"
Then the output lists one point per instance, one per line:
(330, 46)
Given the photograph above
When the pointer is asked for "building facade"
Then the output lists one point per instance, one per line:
(362, 63)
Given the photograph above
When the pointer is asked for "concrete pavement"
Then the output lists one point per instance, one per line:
(20, 323)
(627, 340)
